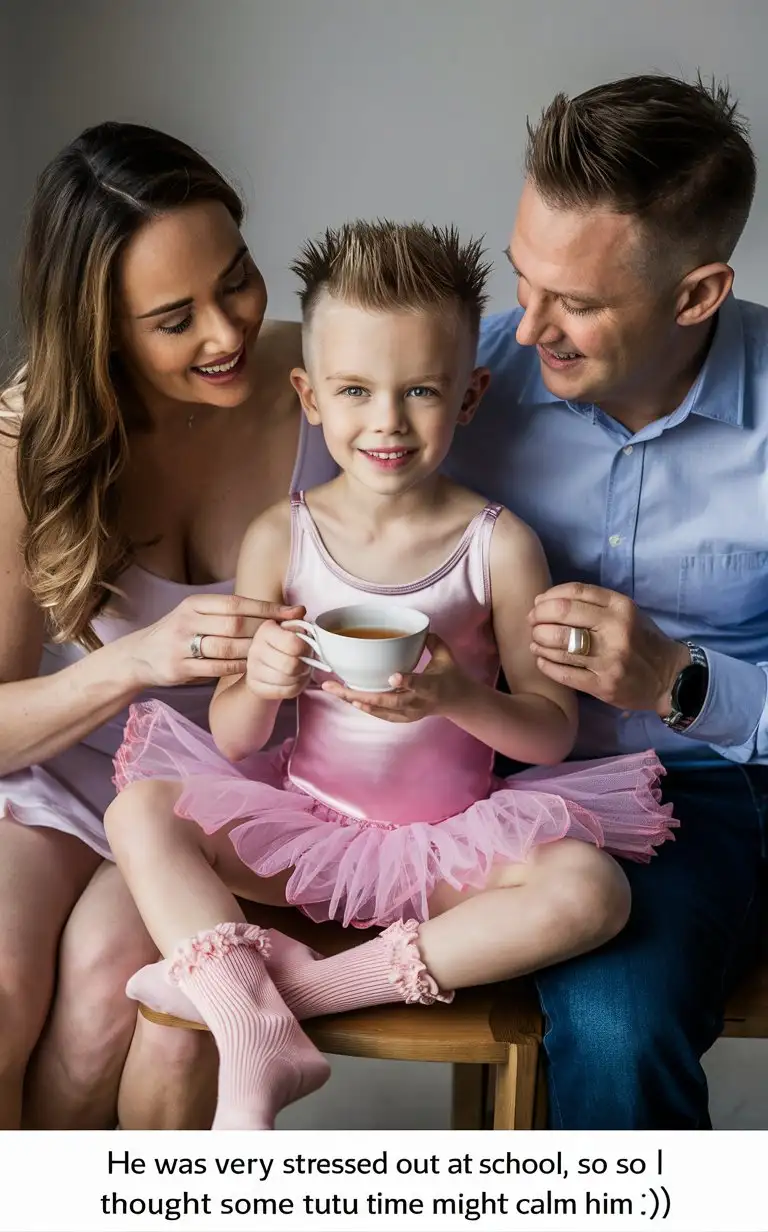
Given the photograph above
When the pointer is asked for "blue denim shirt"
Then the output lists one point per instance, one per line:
(674, 516)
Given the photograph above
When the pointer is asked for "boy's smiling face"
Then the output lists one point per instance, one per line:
(388, 388)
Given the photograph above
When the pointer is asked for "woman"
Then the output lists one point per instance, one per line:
(152, 421)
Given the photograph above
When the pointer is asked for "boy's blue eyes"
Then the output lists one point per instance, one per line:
(416, 391)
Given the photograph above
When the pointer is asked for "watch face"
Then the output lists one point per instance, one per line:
(691, 690)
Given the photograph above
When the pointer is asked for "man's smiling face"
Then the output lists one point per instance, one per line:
(594, 308)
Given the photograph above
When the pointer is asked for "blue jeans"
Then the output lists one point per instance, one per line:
(628, 1024)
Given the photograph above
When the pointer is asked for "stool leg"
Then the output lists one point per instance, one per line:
(541, 1109)
(469, 1096)
(516, 1087)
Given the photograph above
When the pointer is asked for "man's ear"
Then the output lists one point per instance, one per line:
(478, 383)
(303, 386)
(702, 292)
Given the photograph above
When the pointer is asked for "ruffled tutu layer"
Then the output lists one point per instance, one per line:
(369, 873)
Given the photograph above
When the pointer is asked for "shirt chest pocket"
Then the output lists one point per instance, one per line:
(724, 589)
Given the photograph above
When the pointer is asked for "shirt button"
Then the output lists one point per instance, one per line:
(627, 449)
(625, 714)
(615, 540)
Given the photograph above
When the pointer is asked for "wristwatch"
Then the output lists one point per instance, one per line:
(689, 691)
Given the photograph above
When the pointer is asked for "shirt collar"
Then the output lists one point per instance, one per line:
(717, 392)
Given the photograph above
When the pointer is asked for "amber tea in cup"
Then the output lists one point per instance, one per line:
(365, 644)
(371, 634)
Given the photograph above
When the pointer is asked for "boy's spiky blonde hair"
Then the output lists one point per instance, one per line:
(386, 266)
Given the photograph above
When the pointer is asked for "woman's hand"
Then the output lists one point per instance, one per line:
(417, 696)
(275, 671)
(223, 626)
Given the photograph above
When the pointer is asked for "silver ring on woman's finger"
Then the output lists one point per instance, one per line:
(579, 641)
(196, 646)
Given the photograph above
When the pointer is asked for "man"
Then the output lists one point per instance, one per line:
(627, 422)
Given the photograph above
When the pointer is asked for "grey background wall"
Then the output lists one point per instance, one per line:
(12, 192)
(326, 109)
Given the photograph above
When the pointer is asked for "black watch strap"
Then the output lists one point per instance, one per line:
(689, 691)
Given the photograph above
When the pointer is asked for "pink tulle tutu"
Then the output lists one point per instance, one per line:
(367, 873)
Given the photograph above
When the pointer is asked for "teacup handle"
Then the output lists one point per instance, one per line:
(309, 638)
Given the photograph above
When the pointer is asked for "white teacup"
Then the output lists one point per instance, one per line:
(364, 644)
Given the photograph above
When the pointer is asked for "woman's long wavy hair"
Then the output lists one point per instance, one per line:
(72, 442)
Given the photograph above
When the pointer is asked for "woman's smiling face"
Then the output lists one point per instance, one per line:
(190, 305)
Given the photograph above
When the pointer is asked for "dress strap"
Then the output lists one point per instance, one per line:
(299, 516)
(485, 522)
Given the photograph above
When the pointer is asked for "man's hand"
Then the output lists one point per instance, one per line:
(414, 697)
(631, 664)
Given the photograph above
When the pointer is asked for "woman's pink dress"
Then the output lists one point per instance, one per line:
(371, 815)
(71, 792)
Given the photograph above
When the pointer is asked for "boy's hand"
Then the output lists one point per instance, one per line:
(416, 696)
(275, 671)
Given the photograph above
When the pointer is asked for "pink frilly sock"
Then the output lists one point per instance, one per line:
(265, 1059)
(386, 969)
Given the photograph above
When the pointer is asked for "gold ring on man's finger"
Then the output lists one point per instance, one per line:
(579, 641)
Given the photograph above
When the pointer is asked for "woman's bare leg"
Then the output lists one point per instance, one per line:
(73, 1078)
(42, 874)
(170, 1079)
(95, 1061)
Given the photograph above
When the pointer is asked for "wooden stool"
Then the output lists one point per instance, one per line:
(499, 1026)
(746, 1015)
